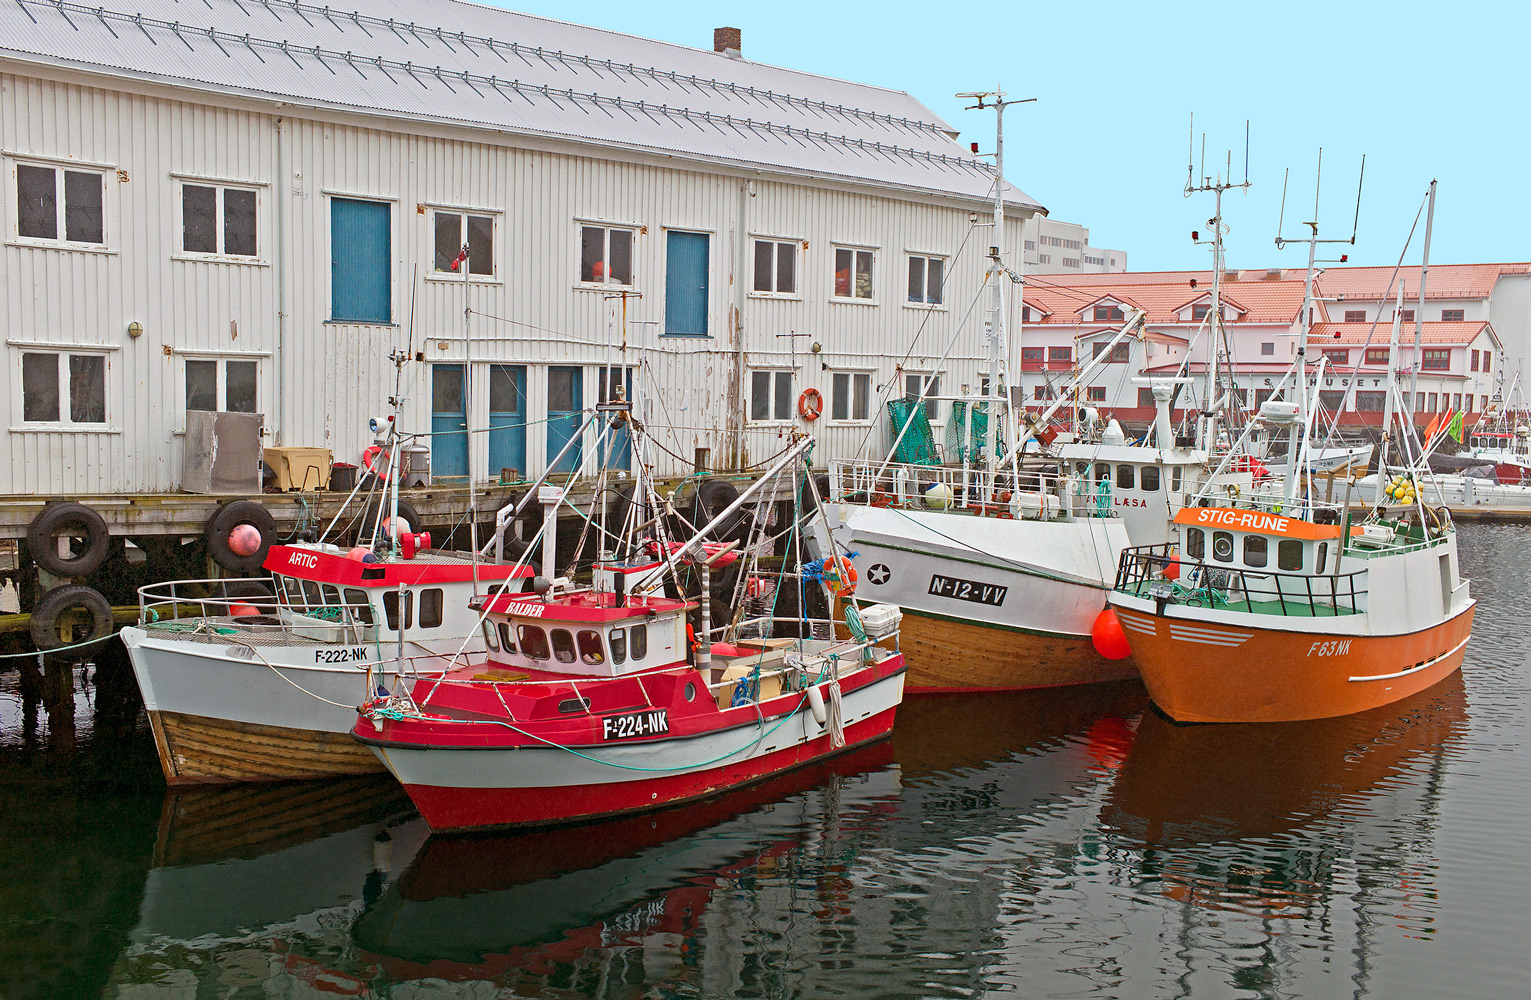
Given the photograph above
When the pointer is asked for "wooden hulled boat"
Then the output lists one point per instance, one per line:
(259, 681)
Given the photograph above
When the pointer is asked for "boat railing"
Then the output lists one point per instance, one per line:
(258, 606)
(1159, 572)
(1038, 494)
(1271, 501)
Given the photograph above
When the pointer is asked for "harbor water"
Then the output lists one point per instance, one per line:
(1067, 843)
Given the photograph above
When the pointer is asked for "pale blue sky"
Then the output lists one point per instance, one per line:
(1424, 90)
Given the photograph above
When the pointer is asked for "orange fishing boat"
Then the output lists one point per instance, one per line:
(1274, 607)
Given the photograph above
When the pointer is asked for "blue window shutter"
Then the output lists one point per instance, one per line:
(361, 261)
(686, 264)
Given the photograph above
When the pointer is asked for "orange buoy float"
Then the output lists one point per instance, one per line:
(1107, 636)
(840, 576)
(1172, 569)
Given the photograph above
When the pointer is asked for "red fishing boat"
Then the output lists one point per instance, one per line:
(598, 702)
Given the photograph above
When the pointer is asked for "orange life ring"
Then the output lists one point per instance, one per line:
(376, 455)
(810, 404)
(840, 576)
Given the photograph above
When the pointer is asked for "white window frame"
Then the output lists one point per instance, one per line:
(850, 420)
(220, 184)
(909, 258)
(580, 225)
(775, 418)
(925, 378)
(221, 378)
(496, 217)
(19, 423)
(853, 249)
(58, 166)
(800, 251)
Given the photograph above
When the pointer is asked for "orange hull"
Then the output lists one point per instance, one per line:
(1209, 671)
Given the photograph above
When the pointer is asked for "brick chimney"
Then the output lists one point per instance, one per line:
(727, 41)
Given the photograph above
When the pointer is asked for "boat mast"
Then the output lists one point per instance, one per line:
(1419, 316)
(1207, 429)
(998, 348)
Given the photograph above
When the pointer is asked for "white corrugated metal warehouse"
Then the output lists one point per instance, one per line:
(245, 205)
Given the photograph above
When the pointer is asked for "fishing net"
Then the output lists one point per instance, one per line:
(918, 445)
(960, 448)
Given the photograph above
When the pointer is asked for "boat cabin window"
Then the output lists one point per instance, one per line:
(359, 607)
(1103, 470)
(507, 637)
(563, 645)
(432, 607)
(619, 646)
(1289, 554)
(491, 635)
(590, 650)
(534, 642)
(311, 595)
(1126, 477)
(1222, 546)
(638, 639)
(331, 595)
(1195, 543)
(1256, 548)
(1323, 557)
(1175, 478)
(1149, 481)
(1083, 468)
(391, 609)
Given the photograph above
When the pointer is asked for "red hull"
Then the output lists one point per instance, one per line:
(447, 808)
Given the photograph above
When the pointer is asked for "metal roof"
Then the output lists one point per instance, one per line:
(449, 61)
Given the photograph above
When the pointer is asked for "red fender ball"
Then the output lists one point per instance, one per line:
(244, 540)
(1107, 635)
(243, 610)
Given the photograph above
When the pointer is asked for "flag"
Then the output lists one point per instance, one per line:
(1435, 423)
(457, 261)
(1455, 428)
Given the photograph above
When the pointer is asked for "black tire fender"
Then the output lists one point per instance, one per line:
(229, 517)
(50, 609)
(45, 528)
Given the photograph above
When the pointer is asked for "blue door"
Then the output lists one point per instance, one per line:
(685, 285)
(617, 452)
(566, 395)
(449, 423)
(507, 418)
(361, 261)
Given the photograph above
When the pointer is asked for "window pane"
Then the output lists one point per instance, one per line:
(621, 257)
(1222, 546)
(432, 607)
(763, 259)
(933, 406)
(843, 273)
(201, 385)
(507, 638)
(619, 646)
(534, 641)
(39, 387)
(358, 606)
(783, 406)
(239, 386)
(916, 279)
(82, 207)
(786, 267)
(1149, 480)
(446, 389)
(481, 244)
(1195, 543)
(590, 650)
(391, 609)
(1289, 554)
(861, 400)
(841, 404)
(863, 274)
(1126, 478)
(448, 239)
(37, 202)
(505, 390)
(639, 635)
(760, 395)
(1255, 549)
(560, 389)
(935, 275)
(1321, 558)
(239, 222)
(563, 645)
(592, 254)
(199, 227)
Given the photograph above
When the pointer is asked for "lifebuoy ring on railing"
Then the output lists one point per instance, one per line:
(840, 576)
(810, 404)
(375, 461)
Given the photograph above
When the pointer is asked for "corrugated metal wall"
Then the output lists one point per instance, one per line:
(319, 386)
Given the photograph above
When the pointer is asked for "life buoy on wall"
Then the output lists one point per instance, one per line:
(810, 404)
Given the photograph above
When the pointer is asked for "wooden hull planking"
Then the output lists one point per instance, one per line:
(194, 749)
(944, 655)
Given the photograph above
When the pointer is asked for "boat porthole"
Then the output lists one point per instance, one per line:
(690, 691)
(1222, 547)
